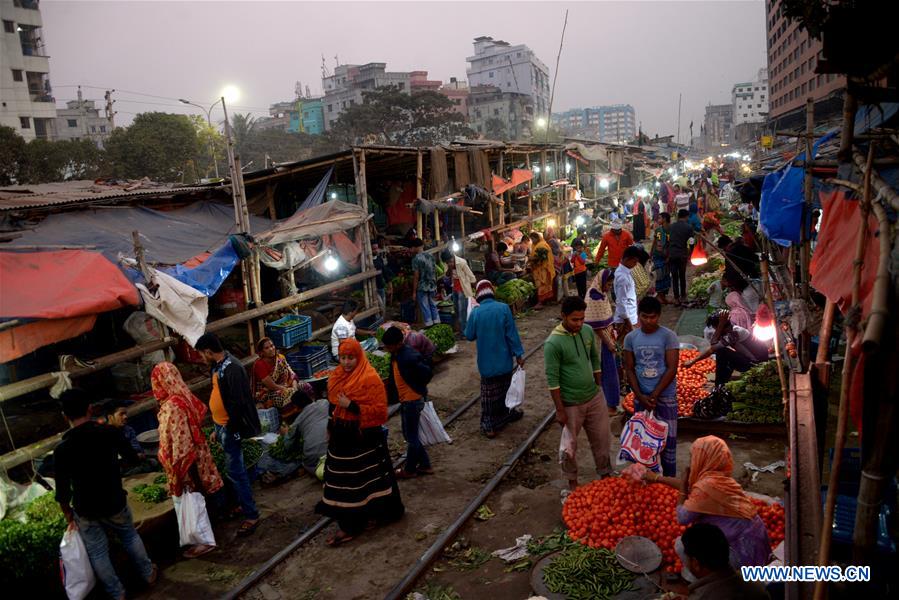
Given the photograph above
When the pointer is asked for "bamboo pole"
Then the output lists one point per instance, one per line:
(822, 360)
(359, 171)
(877, 317)
(805, 233)
(848, 363)
(419, 174)
(769, 300)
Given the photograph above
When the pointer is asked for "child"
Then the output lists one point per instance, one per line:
(579, 268)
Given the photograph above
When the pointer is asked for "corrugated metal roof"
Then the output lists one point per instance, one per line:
(18, 197)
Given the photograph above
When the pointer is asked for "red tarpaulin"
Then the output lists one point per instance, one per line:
(519, 176)
(831, 267)
(61, 284)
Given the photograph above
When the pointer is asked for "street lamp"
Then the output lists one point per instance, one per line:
(541, 123)
(208, 122)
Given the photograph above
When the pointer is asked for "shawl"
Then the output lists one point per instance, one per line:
(599, 311)
(174, 396)
(712, 489)
(740, 315)
(362, 385)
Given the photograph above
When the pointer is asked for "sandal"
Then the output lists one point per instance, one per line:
(402, 473)
(339, 538)
(427, 471)
(247, 527)
(198, 551)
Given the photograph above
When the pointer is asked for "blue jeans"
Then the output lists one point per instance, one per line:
(237, 471)
(666, 410)
(416, 455)
(460, 303)
(428, 307)
(93, 534)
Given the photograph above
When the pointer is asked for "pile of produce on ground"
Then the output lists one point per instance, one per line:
(380, 363)
(691, 383)
(602, 512)
(442, 336)
(713, 265)
(757, 395)
(29, 540)
(773, 517)
(252, 451)
(151, 493)
(580, 572)
(699, 285)
(732, 228)
(281, 451)
(515, 291)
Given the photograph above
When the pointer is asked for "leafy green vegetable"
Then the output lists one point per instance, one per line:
(757, 395)
(161, 479)
(150, 493)
(380, 363)
(699, 286)
(281, 451)
(713, 265)
(515, 291)
(29, 550)
(442, 336)
(252, 451)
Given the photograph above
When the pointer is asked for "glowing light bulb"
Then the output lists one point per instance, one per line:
(604, 184)
(331, 263)
(455, 246)
(579, 221)
(333, 195)
(764, 329)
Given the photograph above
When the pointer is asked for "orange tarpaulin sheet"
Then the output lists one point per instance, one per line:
(27, 338)
(519, 176)
(831, 267)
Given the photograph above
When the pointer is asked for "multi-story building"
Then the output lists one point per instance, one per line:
(719, 121)
(282, 115)
(82, 120)
(26, 99)
(616, 123)
(345, 87)
(495, 113)
(510, 69)
(458, 92)
(419, 82)
(313, 119)
(792, 58)
(750, 100)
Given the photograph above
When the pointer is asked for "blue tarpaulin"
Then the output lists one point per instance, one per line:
(317, 195)
(208, 276)
(780, 212)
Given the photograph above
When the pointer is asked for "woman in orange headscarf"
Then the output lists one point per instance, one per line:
(542, 268)
(183, 451)
(360, 487)
(711, 495)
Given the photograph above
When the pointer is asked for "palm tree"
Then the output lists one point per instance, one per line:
(242, 127)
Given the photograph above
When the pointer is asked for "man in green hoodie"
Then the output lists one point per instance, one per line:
(571, 359)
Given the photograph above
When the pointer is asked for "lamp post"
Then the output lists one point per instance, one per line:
(208, 122)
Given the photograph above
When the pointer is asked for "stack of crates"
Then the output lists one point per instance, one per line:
(308, 360)
(290, 330)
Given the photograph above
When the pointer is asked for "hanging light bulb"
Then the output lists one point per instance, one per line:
(699, 256)
(579, 221)
(454, 245)
(764, 329)
(331, 263)
(604, 183)
(333, 195)
(568, 167)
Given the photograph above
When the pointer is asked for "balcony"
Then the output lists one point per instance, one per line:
(39, 87)
(30, 38)
(29, 4)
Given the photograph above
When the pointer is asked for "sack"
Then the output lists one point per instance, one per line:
(75, 566)
(515, 395)
(717, 404)
(193, 520)
(430, 429)
(566, 445)
(643, 439)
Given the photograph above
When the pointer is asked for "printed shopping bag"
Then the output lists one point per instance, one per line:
(643, 439)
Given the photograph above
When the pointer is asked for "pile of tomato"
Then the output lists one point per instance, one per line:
(773, 517)
(691, 383)
(601, 513)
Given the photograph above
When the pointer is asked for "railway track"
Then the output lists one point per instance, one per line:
(309, 534)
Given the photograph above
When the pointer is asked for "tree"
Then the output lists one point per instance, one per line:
(495, 129)
(242, 127)
(47, 161)
(423, 118)
(156, 145)
(12, 155)
(210, 149)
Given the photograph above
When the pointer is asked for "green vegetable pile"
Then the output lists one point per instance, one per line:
(583, 573)
(150, 493)
(281, 451)
(29, 550)
(442, 336)
(252, 451)
(290, 320)
(380, 363)
(757, 395)
(515, 291)
(161, 479)
(713, 265)
(699, 286)
(732, 228)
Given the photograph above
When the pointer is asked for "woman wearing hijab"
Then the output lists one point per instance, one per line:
(183, 451)
(360, 488)
(599, 315)
(711, 495)
(740, 315)
(639, 221)
(542, 269)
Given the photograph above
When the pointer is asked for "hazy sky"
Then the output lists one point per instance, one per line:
(634, 52)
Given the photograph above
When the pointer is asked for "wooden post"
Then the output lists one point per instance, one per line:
(368, 287)
(534, 180)
(543, 166)
(419, 173)
(270, 201)
(577, 175)
(805, 232)
(437, 226)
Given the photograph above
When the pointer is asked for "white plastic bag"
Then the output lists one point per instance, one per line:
(566, 445)
(472, 304)
(430, 429)
(75, 566)
(515, 395)
(193, 520)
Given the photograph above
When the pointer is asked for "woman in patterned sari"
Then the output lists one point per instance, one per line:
(275, 381)
(542, 269)
(183, 452)
(360, 488)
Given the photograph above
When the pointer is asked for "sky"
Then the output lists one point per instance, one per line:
(631, 52)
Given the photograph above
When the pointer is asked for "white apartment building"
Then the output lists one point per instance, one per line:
(750, 100)
(26, 99)
(82, 120)
(514, 69)
(344, 88)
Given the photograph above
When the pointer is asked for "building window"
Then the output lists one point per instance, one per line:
(491, 74)
(811, 84)
(330, 108)
(72, 122)
(9, 26)
(102, 128)
(17, 74)
(25, 122)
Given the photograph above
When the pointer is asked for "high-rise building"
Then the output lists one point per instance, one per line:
(510, 69)
(719, 122)
(616, 123)
(750, 100)
(345, 87)
(26, 98)
(792, 58)
(82, 120)
(500, 115)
